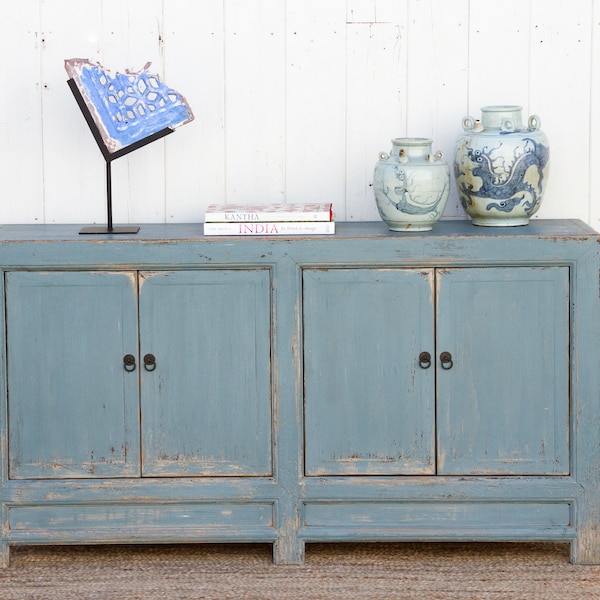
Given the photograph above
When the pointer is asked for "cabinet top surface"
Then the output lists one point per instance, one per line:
(193, 232)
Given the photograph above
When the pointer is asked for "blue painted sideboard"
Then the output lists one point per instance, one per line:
(170, 387)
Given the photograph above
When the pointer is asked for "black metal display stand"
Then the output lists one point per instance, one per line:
(109, 157)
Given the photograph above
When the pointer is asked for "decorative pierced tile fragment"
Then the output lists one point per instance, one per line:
(127, 107)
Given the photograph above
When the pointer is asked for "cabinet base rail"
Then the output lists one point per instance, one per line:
(318, 521)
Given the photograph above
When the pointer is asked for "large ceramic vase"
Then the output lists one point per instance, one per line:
(501, 167)
(411, 185)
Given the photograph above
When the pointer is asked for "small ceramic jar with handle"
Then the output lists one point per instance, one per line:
(411, 185)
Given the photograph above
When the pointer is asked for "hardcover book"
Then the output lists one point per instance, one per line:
(271, 228)
(233, 213)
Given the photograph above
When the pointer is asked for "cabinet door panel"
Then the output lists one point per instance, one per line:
(503, 407)
(73, 409)
(206, 407)
(369, 406)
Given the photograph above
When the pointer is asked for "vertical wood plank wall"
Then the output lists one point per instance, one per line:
(293, 99)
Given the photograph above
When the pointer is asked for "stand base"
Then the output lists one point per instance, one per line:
(119, 230)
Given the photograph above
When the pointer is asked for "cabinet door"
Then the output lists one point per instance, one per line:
(368, 402)
(503, 406)
(206, 402)
(72, 407)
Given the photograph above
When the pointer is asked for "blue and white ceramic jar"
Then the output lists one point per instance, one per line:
(501, 167)
(411, 185)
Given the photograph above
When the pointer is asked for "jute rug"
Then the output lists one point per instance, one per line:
(332, 571)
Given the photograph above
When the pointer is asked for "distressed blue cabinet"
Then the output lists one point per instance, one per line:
(169, 387)
(502, 408)
(75, 408)
(369, 409)
(206, 402)
(376, 408)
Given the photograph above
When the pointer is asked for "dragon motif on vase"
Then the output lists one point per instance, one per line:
(505, 183)
(408, 199)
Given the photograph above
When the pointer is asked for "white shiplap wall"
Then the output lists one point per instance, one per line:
(293, 98)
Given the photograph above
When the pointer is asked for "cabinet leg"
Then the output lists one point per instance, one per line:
(288, 551)
(4, 555)
(585, 550)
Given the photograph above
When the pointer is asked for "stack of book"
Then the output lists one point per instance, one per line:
(269, 219)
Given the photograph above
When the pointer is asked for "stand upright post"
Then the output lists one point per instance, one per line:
(109, 195)
(109, 157)
(109, 218)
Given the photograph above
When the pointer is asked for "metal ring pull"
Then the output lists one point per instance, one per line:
(129, 363)
(446, 360)
(424, 360)
(149, 362)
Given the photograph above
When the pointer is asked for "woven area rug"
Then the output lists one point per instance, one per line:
(332, 571)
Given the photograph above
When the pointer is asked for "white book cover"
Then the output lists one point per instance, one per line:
(271, 228)
(233, 213)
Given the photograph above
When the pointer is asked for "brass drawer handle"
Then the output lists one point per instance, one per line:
(129, 363)
(149, 362)
(446, 360)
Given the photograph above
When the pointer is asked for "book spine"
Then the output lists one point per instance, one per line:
(268, 217)
(271, 228)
